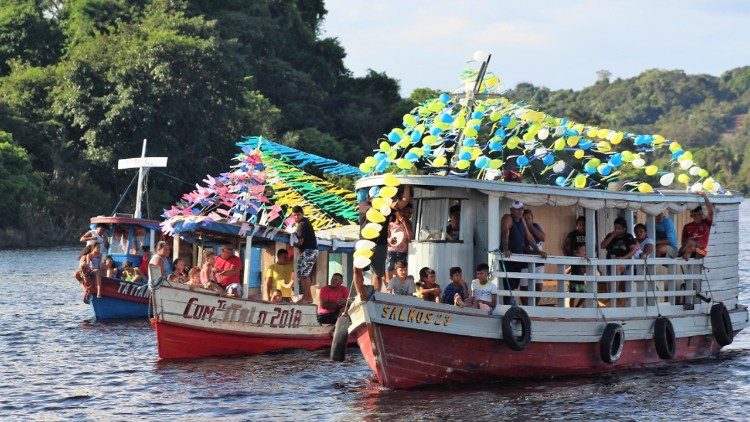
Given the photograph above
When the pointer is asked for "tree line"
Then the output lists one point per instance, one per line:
(83, 82)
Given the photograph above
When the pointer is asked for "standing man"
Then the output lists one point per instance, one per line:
(666, 238)
(575, 238)
(308, 252)
(97, 237)
(227, 268)
(280, 276)
(332, 300)
(162, 259)
(700, 228)
(516, 238)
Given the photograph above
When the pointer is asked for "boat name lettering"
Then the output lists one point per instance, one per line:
(278, 318)
(411, 315)
(135, 290)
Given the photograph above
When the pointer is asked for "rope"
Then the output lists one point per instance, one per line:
(507, 282)
(649, 279)
(172, 177)
(596, 291)
(124, 193)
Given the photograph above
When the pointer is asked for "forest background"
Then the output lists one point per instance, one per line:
(83, 82)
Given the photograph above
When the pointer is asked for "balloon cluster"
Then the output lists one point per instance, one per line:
(479, 137)
(381, 200)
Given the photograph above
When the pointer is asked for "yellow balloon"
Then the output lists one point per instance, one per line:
(578, 127)
(627, 156)
(573, 141)
(651, 170)
(602, 133)
(390, 179)
(674, 146)
(364, 168)
(617, 138)
(604, 146)
(470, 132)
(409, 120)
(512, 124)
(703, 173)
(403, 164)
(683, 178)
(645, 188)
(463, 164)
(474, 122)
(440, 162)
(513, 142)
(475, 153)
(367, 253)
(370, 233)
(405, 141)
(374, 216)
(460, 122)
(417, 151)
(388, 192)
(578, 154)
(429, 140)
(496, 163)
(559, 144)
(708, 185)
(658, 139)
(579, 181)
(379, 202)
(371, 161)
(385, 146)
(436, 106)
(495, 116)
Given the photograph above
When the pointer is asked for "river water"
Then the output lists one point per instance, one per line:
(56, 364)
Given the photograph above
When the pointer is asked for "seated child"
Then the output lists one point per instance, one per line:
(427, 288)
(130, 273)
(194, 277)
(457, 290)
(208, 278)
(110, 268)
(483, 293)
(401, 283)
(179, 271)
(276, 296)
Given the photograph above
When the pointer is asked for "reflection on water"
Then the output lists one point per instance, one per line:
(57, 364)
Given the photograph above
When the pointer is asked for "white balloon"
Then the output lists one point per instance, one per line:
(666, 179)
(543, 133)
(686, 164)
(540, 152)
(611, 135)
(480, 56)
(528, 146)
(639, 162)
(694, 170)
(559, 167)
(385, 210)
(361, 262)
(697, 187)
(520, 112)
(559, 131)
(364, 244)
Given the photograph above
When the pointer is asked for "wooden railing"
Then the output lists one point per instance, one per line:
(645, 282)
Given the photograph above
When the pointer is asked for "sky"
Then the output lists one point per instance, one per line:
(558, 44)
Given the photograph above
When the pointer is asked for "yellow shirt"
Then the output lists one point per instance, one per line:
(281, 274)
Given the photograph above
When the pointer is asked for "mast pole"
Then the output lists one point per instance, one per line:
(139, 191)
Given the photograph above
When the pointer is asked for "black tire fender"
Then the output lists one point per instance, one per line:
(612, 343)
(721, 324)
(664, 338)
(340, 338)
(516, 314)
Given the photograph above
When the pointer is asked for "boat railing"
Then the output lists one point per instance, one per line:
(643, 282)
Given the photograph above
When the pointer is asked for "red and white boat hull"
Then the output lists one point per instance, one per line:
(193, 323)
(407, 344)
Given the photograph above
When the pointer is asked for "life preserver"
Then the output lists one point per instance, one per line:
(664, 338)
(721, 324)
(513, 314)
(611, 343)
(340, 337)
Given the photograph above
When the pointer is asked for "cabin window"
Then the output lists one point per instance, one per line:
(439, 220)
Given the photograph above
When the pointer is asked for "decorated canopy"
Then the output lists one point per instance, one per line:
(255, 197)
(483, 135)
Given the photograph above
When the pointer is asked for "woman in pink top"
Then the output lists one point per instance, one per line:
(208, 279)
(399, 235)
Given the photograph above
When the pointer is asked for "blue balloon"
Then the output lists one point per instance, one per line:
(470, 142)
(496, 145)
(379, 156)
(615, 160)
(585, 143)
(411, 156)
(606, 170)
(639, 140)
(589, 169)
(548, 159)
(465, 155)
(560, 181)
(648, 139)
(381, 166)
(477, 115)
(416, 136)
(435, 130)
(394, 137)
(445, 98)
(374, 191)
(427, 149)
(676, 154)
(505, 120)
(446, 118)
(522, 161)
(482, 162)
(500, 133)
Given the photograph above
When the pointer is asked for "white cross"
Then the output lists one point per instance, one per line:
(143, 164)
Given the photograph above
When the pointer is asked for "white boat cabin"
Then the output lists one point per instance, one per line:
(656, 285)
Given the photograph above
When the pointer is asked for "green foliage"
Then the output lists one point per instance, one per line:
(20, 187)
(26, 35)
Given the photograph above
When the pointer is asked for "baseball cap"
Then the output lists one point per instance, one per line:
(517, 205)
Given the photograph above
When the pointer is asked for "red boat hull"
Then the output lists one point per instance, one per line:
(180, 342)
(406, 358)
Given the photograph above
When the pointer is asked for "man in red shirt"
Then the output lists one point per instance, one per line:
(227, 269)
(699, 228)
(332, 300)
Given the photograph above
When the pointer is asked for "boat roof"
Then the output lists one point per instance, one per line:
(126, 220)
(651, 203)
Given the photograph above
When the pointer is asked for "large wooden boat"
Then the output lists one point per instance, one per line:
(662, 310)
